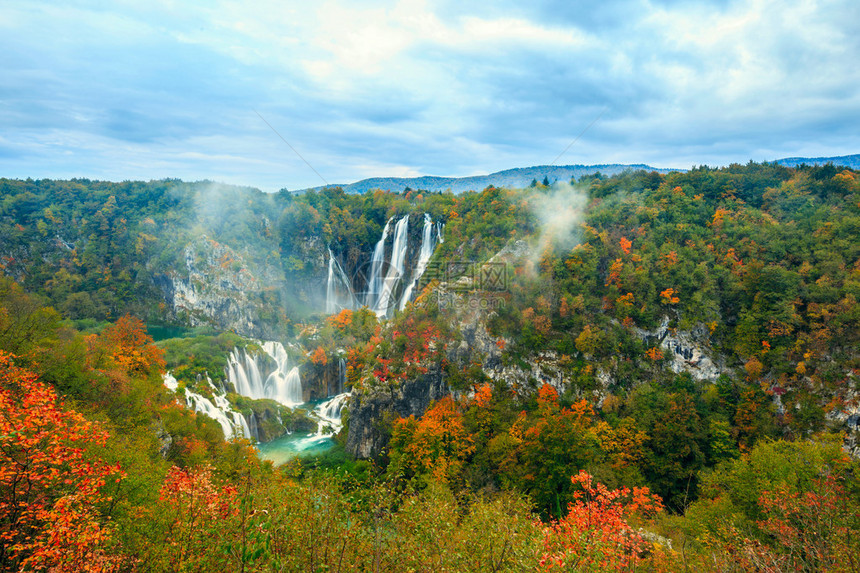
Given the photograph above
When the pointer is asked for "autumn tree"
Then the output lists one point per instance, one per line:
(595, 535)
(50, 488)
(131, 348)
(435, 445)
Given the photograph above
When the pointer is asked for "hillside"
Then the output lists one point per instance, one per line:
(510, 178)
(852, 161)
(658, 360)
(523, 176)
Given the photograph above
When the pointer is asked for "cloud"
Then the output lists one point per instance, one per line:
(169, 89)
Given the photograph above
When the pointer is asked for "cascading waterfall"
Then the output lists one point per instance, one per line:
(283, 384)
(374, 281)
(395, 267)
(339, 294)
(428, 244)
(232, 423)
(329, 414)
(439, 226)
(341, 375)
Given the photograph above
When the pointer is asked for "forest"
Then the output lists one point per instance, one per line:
(665, 380)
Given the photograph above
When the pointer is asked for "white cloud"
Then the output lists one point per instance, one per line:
(169, 88)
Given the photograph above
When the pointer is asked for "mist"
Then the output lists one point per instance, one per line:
(560, 212)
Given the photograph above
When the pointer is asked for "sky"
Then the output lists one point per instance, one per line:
(286, 94)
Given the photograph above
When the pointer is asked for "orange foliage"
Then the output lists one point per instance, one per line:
(547, 395)
(654, 354)
(626, 300)
(341, 320)
(614, 277)
(671, 258)
(483, 396)
(437, 444)
(625, 244)
(193, 505)
(815, 529)
(719, 216)
(595, 534)
(754, 368)
(49, 488)
(564, 308)
(131, 348)
(319, 357)
(668, 296)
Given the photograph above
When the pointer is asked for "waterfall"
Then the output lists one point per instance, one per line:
(170, 382)
(232, 423)
(374, 281)
(240, 421)
(339, 294)
(282, 384)
(292, 389)
(329, 412)
(395, 266)
(428, 244)
(341, 375)
(381, 289)
(254, 426)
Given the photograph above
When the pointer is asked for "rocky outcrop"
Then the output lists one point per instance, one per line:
(369, 411)
(216, 288)
(688, 351)
(845, 415)
(269, 420)
(322, 381)
(240, 291)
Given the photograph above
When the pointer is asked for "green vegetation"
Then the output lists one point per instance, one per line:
(569, 410)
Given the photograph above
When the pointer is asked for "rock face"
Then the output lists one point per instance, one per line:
(215, 287)
(846, 415)
(230, 290)
(688, 351)
(322, 381)
(368, 436)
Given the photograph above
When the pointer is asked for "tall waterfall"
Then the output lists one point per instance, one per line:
(374, 281)
(395, 266)
(339, 294)
(384, 281)
(283, 384)
(428, 244)
(232, 423)
(341, 375)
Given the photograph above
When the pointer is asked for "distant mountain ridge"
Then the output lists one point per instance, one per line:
(852, 161)
(523, 176)
(512, 178)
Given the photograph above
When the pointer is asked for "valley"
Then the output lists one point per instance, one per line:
(677, 347)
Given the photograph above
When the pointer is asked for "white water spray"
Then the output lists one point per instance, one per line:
(232, 423)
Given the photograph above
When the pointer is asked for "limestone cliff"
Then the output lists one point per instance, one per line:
(370, 412)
